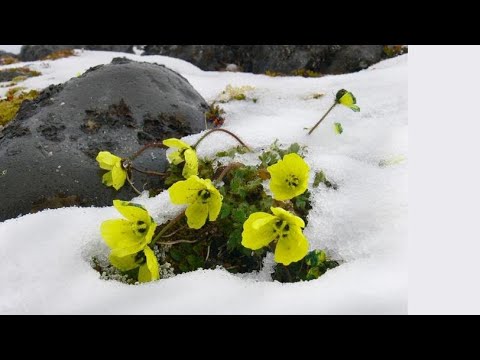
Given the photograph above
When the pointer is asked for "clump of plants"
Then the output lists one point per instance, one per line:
(238, 93)
(60, 54)
(11, 104)
(16, 75)
(232, 214)
(215, 115)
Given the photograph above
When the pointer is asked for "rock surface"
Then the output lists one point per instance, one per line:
(47, 154)
(39, 52)
(326, 59)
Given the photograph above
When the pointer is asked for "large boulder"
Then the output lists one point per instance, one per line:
(39, 52)
(326, 59)
(47, 154)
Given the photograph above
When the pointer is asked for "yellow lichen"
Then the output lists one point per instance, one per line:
(9, 106)
(60, 54)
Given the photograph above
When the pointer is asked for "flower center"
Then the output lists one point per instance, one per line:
(139, 228)
(140, 258)
(204, 195)
(292, 180)
(281, 229)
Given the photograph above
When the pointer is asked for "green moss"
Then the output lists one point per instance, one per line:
(9, 106)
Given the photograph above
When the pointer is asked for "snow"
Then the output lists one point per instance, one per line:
(44, 257)
(14, 49)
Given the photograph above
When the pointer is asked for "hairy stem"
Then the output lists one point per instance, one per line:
(147, 172)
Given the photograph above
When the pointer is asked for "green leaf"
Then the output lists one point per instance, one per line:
(337, 127)
(355, 108)
(312, 274)
(319, 178)
(225, 211)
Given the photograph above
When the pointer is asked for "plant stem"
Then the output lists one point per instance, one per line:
(222, 130)
(177, 242)
(323, 117)
(148, 172)
(148, 146)
(133, 186)
(168, 226)
(227, 169)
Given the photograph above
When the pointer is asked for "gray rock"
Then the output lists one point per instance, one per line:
(39, 52)
(47, 154)
(326, 59)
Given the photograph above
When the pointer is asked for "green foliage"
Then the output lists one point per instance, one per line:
(337, 127)
(276, 152)
(215, 115)
(391, 51)
(311, 267)
(232, 152)
(320, 178)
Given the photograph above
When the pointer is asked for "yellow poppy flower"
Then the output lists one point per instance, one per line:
(146, 260)
(289, 177)
(262, 228)
(203, 200)
(117, 175)
(131, 235)
(185, 153)
(346, 98)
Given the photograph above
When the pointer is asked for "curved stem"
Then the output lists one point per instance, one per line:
(222, 130)
(323, 117)
(227, 169)
(148, 146)
(168, 226)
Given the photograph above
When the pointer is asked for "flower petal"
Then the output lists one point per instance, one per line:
(282, 192)
(133, 212)
(107, 160)
(347, 99)
(292, 247)
(119, 175)
(288, 217)
(107, 179)
(297, 165)
(186, 191)
(191, 163)
(176, 143)
(197, 214)
(123, 263)
(118, 234)
(150, 270)
(258, 230)
(214, 203)
(175, 158)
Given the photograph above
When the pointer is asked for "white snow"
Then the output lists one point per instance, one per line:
(44, 257)
(14, 49)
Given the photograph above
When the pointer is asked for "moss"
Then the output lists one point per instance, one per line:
(298, 72)
(7, 60)
(9, 106)
(306, 73)
(231, 93)
(60, 54)
(391, 51)
(15, 75)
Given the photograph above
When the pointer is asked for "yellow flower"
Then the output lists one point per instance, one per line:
(346, 98)
(289, 177)
(146, 260)
(117, 175)
(203, 198)
(185, 153)
(131, 235)
(262, 228)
